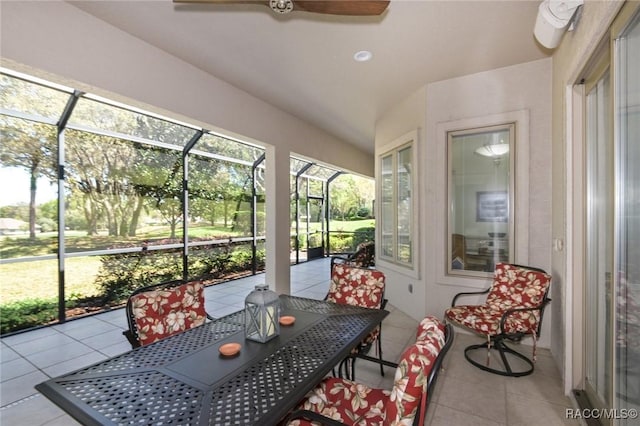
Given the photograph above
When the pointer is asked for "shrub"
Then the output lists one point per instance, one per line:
(121, 274)
(362, 235)
(27, 313)
(340, 243)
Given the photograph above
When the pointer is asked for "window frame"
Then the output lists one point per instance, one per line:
(521, 188)
(511, 195)
(393, 149)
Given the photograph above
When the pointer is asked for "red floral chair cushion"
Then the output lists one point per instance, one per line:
(364, 255)
(430, 329)
(164, 312)
(353, 403)
(357, 287)
(513, 287)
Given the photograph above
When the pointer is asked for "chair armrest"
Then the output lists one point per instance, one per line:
(132, 340)
(340, 259)
(384, 303)
(468, 293)
(313, 416)
(508, 312)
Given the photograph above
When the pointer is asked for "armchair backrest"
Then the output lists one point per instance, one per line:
(355, 286)
(516, 286)
(365, 254)
(162, 310)
(414, 372)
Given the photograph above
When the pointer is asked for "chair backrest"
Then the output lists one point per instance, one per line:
(365, 255)
(518, 286)
(161, 310)
(417, 367)
(355, 286)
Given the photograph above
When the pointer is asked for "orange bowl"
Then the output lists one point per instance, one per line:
(287, 320)
(230, 349)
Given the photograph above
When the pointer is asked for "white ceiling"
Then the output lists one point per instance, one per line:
(303, 63)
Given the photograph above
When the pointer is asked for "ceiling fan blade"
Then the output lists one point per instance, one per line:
(343, 7)
(265, 2)
(330, 7)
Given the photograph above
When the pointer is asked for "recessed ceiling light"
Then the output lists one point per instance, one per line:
(363, 56)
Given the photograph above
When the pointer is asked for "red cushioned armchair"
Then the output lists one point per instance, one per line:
(363, 287)
(512, 311)
(338, 401)
(164, 309)
(363, 257)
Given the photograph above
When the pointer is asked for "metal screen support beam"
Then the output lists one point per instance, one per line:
(254, 215)
(300, 172)
(62, 123)
(185, 202)
(328, 208)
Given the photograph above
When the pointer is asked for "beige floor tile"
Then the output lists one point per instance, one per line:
(538, 387)
(447, 416)
(523, 411)
(479, 400)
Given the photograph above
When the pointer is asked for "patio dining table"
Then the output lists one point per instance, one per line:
(184, 379)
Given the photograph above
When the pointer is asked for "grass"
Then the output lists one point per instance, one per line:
(350, 225)
(39, 279)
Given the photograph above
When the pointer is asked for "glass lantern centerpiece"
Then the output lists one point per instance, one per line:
(261, 314)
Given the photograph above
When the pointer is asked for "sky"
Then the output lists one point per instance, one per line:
(15, 187)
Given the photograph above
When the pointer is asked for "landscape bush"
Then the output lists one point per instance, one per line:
(362, 235)
(27, 313)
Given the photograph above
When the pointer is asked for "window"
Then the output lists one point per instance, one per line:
(396, 230)
(480, 198)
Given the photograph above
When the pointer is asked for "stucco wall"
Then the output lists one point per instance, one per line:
(525, 88)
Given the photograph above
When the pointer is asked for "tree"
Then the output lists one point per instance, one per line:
(349, 193)
(33, 147)
(30, 145)
(100, 168)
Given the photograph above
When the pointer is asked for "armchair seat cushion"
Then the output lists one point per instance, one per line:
(345, 401)
(514, 287)
(353, 403)
(485, 320)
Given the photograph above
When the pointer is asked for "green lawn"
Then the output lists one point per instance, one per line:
(39, 279)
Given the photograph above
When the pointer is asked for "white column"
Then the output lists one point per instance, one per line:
(278, 275)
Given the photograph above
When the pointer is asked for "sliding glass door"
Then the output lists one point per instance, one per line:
(599, 241)
(627, 233)
(612, 233)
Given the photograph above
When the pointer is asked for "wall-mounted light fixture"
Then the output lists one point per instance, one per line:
(554, 16)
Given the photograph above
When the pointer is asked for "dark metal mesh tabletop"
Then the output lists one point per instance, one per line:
(168, 383)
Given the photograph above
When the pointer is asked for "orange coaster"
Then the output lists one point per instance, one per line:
(230, 349)
(287, 320)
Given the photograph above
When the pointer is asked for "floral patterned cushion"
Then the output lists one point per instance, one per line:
(364, 255)
(356, 286)
(356, 404)
(513, 287)
(430, 329)
(164, 312)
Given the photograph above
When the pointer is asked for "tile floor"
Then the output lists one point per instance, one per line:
(464, 395)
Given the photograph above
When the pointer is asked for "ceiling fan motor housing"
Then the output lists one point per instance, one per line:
(281, 6)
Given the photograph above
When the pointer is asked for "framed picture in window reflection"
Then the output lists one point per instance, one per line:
(492, 206)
